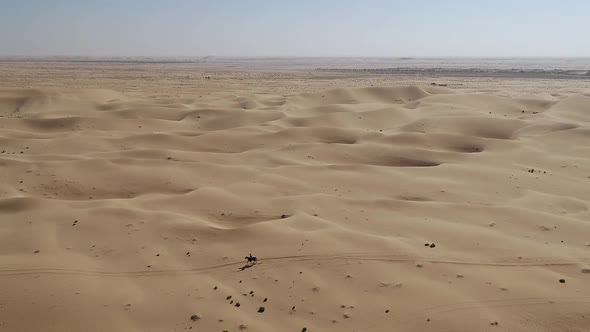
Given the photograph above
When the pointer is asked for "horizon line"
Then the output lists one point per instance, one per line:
(301, 56)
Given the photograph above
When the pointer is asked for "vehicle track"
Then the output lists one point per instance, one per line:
(282, 260)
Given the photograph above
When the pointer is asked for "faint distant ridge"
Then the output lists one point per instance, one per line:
(474, 71)
(114, 59)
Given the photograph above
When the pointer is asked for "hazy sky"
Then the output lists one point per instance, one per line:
(296, 27)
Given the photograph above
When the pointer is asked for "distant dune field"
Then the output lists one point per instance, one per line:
(395, 207)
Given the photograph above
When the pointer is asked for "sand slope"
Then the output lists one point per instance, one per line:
(132, 213)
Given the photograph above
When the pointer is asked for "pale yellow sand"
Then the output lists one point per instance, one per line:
(133, 212)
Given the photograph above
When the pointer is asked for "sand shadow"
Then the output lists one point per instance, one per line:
(247, 266)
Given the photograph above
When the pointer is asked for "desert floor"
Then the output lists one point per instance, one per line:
(130, 194)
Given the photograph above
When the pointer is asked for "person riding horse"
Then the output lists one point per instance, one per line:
(251, 259)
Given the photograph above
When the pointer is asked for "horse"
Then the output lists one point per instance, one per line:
(251, 259)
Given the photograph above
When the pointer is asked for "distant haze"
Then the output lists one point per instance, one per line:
(295, 28)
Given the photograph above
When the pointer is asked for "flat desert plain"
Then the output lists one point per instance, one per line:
(130, 194)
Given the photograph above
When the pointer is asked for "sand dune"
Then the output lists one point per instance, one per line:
(416, 208)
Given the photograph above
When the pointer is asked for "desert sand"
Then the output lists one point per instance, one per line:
(129, 198)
